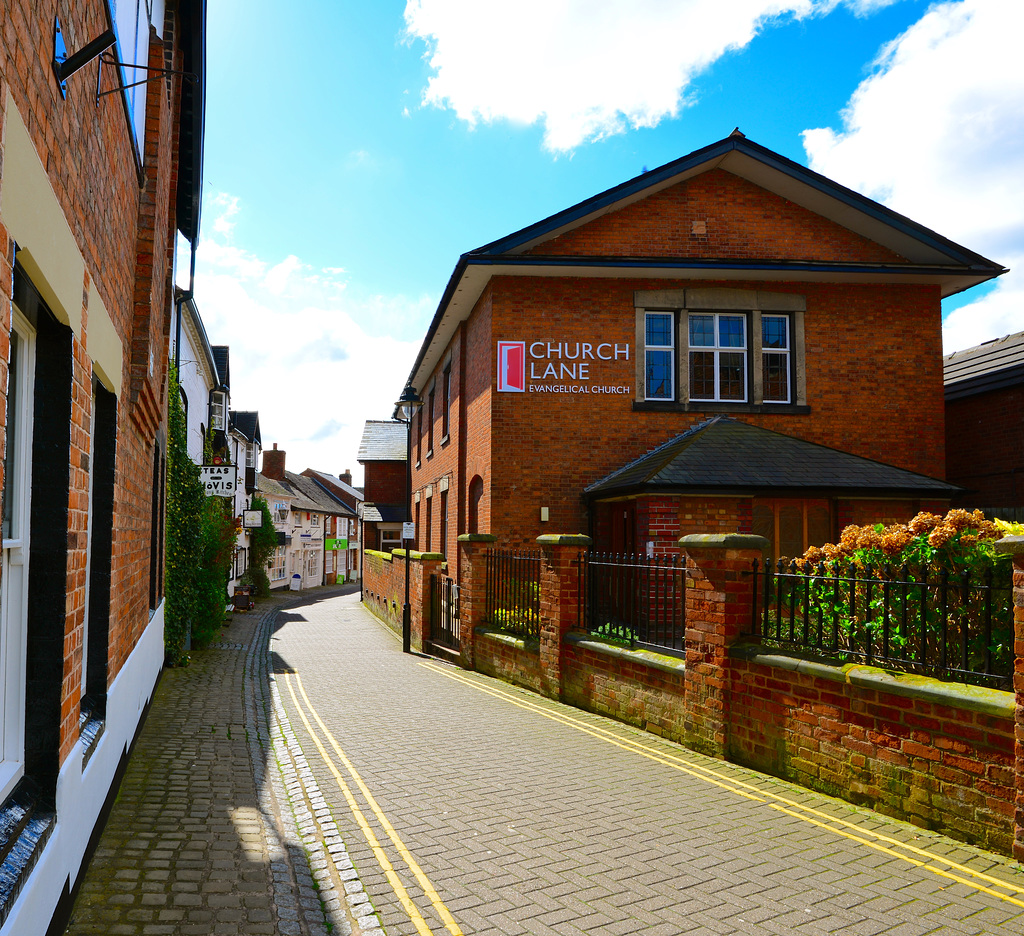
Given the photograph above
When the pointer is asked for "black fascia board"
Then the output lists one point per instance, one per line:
(680, 263)
(192, 119)
(442, 307)
(765, 156)
(984, 383)
(702, 490)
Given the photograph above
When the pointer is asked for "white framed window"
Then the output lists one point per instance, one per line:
(730, 348)
(314, 520)
(390, 539)
(717, 362)
(16, 551)
(776, 379)
(278, 562)
(312, 566)
(659, 355)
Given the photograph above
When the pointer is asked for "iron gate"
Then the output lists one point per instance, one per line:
(444, 612)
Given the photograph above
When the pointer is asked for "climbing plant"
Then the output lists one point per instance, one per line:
(185, 507)
(262, 543)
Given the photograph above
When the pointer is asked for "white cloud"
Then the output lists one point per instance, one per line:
(937, 133)
(585, 69)
(314, 360)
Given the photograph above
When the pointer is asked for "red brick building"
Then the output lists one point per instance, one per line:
(731, 282)
(984, 425)
(96, 181)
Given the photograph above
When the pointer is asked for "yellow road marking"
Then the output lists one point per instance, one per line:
(790, 807)
(403, 895)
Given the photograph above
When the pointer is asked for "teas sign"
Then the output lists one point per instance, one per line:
(219, 480)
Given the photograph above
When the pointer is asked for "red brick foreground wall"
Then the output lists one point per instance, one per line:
(939, 755)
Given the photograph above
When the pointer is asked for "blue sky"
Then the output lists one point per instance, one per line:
(354, 150)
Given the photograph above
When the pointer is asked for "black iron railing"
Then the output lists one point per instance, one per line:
(444, 612)
(513, 591)
(639, 600)
(919, 620)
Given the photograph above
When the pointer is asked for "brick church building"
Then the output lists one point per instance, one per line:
(729, 342)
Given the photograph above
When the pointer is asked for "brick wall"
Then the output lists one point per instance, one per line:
(384, 482)
(988, 423)
(546, 447)
(739, 219)
(936, 754)
(937, 764)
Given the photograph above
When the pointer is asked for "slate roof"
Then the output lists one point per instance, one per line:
(327, 477)
(222, 361)
(383, 440)
(247, 422)
(384, 513)
(726, 455)
(314, 493)
(990, 366)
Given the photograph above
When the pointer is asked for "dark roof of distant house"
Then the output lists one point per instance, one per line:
(247, 422)
(384, 513)
(328, 479)
(383, 440)
(221, 359)
(313, 492)
(726, 455)
(990, 366)
(926, 257)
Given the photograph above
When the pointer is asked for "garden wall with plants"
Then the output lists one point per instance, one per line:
(779, 685)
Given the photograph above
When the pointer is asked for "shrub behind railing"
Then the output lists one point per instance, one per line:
(930, 596)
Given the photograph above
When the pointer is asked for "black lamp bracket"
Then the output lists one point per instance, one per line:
(64, 65)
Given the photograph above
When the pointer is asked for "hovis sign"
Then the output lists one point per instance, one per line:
(219, 480)
(558, 366)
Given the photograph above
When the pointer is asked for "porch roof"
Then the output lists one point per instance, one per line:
(724, 455)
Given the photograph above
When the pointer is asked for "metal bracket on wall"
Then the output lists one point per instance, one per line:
(64, 65)
(160, 73)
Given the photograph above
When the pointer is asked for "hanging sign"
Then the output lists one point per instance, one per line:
(219, 480)
(252, 519)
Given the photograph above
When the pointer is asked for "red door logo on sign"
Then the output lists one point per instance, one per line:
(511, 366)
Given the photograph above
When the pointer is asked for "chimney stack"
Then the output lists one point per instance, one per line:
(346, 476)
(273, 463)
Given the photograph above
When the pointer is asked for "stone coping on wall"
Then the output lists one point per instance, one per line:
(995, 702)
(1010, 545)
(674, 666)
(477, 538)
(400, 553)
(530, 644)
(564, 539)
(724, 541)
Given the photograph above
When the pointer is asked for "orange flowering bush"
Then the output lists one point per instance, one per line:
(930, 595)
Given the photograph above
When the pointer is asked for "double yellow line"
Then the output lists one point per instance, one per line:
(894, 848)
(363, 820)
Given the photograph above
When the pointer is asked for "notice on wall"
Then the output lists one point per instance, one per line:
(580, 367)
(219, 480)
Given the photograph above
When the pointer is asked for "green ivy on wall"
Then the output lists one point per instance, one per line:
(262, 543)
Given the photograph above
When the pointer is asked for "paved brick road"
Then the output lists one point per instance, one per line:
(529, 817)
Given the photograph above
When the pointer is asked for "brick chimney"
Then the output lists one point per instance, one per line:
(273, 463)
(346, 476)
